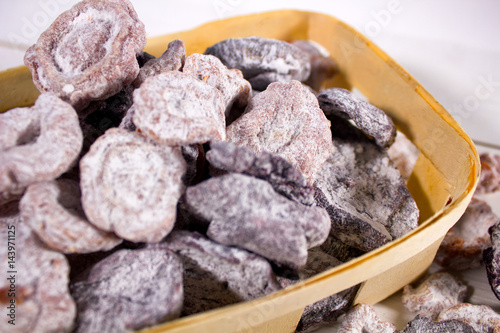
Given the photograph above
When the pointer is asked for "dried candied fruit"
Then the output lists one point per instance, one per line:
(216, 275)
(491, 257)
(489, 180)
(262, 60)
(371, 120)
(129, 290)
(42, 299)
(130, 185)
(439, 291)
(89, 52)
(480, 317)
(285, 179)
(246, 212)
(421, 324)
(53, 211)
(285, 120)
(462, 247)
(404, 154)
(37, 144)
(363, 318)
(174, 108)
(171, 60)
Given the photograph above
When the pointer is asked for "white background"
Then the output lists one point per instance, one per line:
(452, 47)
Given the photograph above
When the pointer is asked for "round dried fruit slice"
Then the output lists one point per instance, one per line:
(53, 210)
(131, 185)
(37, 144)
(89, 52)
(174, 108)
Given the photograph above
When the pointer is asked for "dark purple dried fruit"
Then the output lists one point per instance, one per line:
(423, 324)
(491, 257)
(480, 317)
(363, 318)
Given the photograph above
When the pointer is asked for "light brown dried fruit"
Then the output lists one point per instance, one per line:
(53, 211)
(490, 173)
(37, 144)
(439, 291)
(463, 246)
(171, 60)
(363, 318)
(481, 317)
(174, 108)
(285, 120)
(404, 154)
(88, 52)
(131, 185)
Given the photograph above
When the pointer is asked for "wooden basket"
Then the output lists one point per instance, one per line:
(442, 181)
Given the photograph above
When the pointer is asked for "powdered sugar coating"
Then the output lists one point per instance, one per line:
(421, 324)
(437, 292)
(363, 319)
(463, 246)
(88, 52)
(247, 212)
(263, 61)
(285, 120)
(129, 290)
(37, 144)
(491, 257)
(174, 108)
(404, 154)
(481, 317)
(131, 185)
(53, 211)
(489, 181)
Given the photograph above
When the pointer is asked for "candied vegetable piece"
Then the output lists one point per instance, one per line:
(285, 120)
(262, 60)
(129, 290)
(423, 324)
(363, 318)
(89, 52)
(131, 185)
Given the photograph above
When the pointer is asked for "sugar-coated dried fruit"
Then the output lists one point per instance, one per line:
(437, 292)
(285, 120)
(171, 60)
(462, 247)
(53, 211)
(370, 119)
(174, 108)
(285, 179)
(143, 57)
(489, 180)
(322, 66)
(127, 121)
(339, 250)
(480, 317)
(262, 60)
(491, 257)
(363, 318)
(246, 212)
(234, 88)
(130, 185)
(38, 283)
(89, 52)
(37, 144)
(421, 324)
(216, 275)
(404, 154)
(129, 290)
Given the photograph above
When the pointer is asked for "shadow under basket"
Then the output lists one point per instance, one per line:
(442, 182)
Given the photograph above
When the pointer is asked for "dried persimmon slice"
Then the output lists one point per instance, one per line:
(89, 52)
(131, 185)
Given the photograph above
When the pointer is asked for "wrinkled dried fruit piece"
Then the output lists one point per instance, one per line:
(174, 108)
(462, 247)
(234, 88)
(37, 144)
(53, 211)
(480, 317)
(130, 185)
(88, 52)
(129, 290)
(143, 57)
(491, 257)
(423, 324)
(171, 60)
(490, 173)
(337, 249)
(285, 179)
(404, 154)
(247, 212)
(285, 120)
(322, 66)
(263, 61)
(42, 299)
(363, 318)
(439, 291)
(216, 275)
(370, 119)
